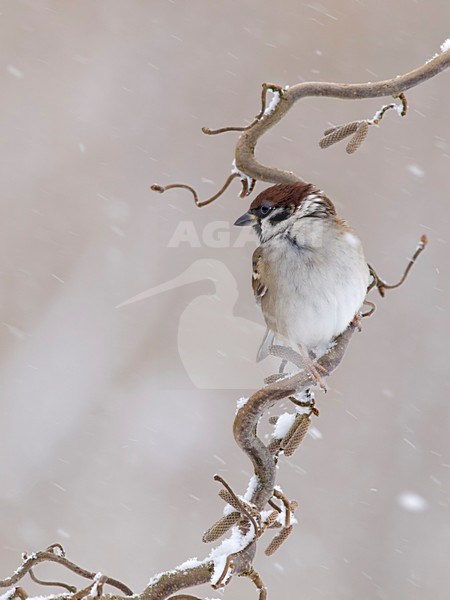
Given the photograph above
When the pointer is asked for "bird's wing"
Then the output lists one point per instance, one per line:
(259, 287)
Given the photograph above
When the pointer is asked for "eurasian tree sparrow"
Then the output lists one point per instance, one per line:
(310, 276)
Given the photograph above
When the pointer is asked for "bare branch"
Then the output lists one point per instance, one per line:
(53, 554)
(245, 147)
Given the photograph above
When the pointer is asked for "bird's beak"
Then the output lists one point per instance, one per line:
(247, 219)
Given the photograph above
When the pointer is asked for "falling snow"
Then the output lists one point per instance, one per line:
(412, 502)
(416, 170)
(315, 433)
(14, 71)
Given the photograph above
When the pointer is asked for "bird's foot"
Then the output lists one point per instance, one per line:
(316, 372)
(313, 368)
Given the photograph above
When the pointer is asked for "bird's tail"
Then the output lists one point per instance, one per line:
(267, 342)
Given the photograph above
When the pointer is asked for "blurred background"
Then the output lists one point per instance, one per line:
(114, 420)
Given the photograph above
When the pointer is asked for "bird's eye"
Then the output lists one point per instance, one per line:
(265, 210)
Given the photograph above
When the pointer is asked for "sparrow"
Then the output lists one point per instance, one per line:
(310, 276)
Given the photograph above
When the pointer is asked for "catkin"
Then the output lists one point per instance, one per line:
(271, 520)
(336, 134)
(274, 446)
(278, 540)
(360, 135)
(220, 527)
(298, 436)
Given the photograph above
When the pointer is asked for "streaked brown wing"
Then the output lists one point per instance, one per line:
(258, 284)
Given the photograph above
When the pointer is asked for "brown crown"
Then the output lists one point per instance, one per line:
(284, 194)
(292, 195)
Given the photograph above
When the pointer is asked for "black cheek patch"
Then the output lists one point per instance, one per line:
(257, 228)
(279, 215)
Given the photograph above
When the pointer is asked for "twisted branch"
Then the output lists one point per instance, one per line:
(245, 147)
(264, 459)
(284, 99)
(55, 553)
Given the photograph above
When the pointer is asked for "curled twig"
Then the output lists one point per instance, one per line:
(401, 109)
(248, 185)
(382, 286)
(371, 310)
(277, 93)
(161, 189)
(70, 588)
(209, 131)
(265, 88)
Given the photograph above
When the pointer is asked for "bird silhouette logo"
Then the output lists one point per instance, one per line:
(216, 347)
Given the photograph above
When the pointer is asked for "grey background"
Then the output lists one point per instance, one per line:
(106, 444)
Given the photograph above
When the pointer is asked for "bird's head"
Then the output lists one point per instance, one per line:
(279, 207)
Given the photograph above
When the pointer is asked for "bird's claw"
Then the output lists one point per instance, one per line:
(316, 371)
